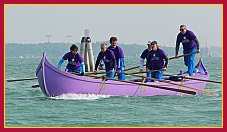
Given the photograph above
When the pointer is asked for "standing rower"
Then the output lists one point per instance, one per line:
(190, 44)
(75, 61)
(107, 56)
(156, 60)
(119, 57)
(144, 56)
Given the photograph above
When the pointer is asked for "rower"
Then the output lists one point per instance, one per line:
(144, 56)
(155, 61)
(75, 61)
(118, 52)
(190, 44)
(107, 56)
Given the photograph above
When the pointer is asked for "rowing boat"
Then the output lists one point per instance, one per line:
(55, 82)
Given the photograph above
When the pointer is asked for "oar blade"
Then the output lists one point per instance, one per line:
(180, 90)
(24, 79)
(35, 86)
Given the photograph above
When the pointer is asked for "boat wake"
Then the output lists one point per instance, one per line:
(80, 97)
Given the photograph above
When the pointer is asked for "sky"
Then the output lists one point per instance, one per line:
(130, 24)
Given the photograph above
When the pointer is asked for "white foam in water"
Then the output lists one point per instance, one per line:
(80, 96)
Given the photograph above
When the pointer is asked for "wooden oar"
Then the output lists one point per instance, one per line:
(182, 55)
(143, 84)
(89, 75)
(86, 74)
(193, 78)
(131, 68)
(120, 73)
(198, 89)
(92, 73)
(140, 72)
(154, 86)
(21, 79)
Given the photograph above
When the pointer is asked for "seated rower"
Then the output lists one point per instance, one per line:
(75, 61)
(108, 57)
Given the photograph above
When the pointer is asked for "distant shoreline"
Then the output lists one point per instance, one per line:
(59, 49)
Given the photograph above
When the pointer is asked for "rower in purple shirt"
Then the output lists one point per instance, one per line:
(190, 44)
(75, 61)
(144, 56)
(107, 56)
(119, 57)
(156, 60)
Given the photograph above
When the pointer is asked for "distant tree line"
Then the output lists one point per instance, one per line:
(58, 49)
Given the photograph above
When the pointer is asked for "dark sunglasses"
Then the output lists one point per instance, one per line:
(182, 29)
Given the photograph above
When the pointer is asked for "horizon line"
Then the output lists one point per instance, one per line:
(162, 45)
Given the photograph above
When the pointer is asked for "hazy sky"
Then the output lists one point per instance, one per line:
(131, 24)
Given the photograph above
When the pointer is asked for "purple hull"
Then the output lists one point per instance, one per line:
(54, 82)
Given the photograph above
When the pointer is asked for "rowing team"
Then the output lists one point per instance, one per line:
(113, 57)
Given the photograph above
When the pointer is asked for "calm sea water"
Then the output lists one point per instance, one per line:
(27, 107)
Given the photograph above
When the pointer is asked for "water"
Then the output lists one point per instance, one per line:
(27, 107)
